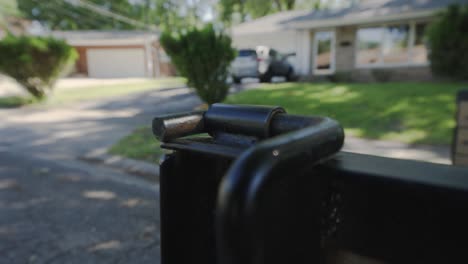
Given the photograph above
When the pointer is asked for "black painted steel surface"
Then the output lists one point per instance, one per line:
(271, 188)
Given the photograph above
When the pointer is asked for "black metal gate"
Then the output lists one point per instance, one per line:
(268, 187)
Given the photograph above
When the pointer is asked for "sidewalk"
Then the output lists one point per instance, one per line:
(398, 150)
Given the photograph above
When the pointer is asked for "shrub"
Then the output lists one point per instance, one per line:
(381, 75)
(202, 56)
(448, 42)
(341, 77)
(35, 62)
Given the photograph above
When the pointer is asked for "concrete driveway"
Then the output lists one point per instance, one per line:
(68, 132)
(60, 212)
(9, 87)
(57, 209)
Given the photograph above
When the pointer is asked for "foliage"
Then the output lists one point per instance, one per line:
(15, 101)
(140, 144)
(237, 11)
(407, 112)
(381, 75)
(341, 76)
(252, 8)
(174, 15)
(8, 8)
(68, 15)
(203, 57)
(228, 8)
(65, 15)
(35, 62)
(448, 41)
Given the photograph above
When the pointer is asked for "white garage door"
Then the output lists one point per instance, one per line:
(115, 63)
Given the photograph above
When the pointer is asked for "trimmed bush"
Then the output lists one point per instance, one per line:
(341, 77)
(381, 75)
(203, 57)
(35, 62)
(448, 41)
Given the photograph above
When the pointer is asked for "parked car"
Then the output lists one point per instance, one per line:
(263, 63)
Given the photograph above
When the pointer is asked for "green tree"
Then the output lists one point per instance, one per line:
(176, 15)
(448, 41)
(71, 15)
(228, 8)
(250, 9)
(35, 62)
(8, 8)
(203, 57)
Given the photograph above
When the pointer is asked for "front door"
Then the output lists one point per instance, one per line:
(324, 52)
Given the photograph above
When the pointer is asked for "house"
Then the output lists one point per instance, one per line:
(117, 54)
(363, 39)
(14, 25)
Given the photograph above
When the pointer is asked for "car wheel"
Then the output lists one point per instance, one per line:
(236, 80)
(266, 77)
(290, 75)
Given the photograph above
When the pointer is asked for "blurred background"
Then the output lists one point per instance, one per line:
(81, 80)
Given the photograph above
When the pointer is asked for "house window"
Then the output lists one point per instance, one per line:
(395, 44)
(391, 45)
(324, 52)
(369, 45)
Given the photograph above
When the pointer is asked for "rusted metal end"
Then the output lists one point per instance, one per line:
(178, 125)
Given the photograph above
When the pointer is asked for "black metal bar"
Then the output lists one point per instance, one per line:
(241, 188)
(236, 197)
(245, 120)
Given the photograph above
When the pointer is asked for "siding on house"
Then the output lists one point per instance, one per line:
(345, 60)
(345, 47)
(294, 31)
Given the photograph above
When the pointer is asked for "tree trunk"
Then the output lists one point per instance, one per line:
(35, 91)
(278, 5)
(290, 4)
(242, 10)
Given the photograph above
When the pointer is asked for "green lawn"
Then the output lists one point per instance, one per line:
(15, 101)
(140, 144)
(62, 96)
(71, 95)
(421, 113)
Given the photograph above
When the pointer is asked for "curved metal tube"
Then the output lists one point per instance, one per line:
(238, 194)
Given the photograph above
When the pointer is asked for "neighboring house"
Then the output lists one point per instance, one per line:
(14, 25)
(117, 54)
(375, 34)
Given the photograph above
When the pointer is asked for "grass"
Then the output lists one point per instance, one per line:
(72, 95)
(15, 101)
(420, 113)
(140, 144)
(62, 96)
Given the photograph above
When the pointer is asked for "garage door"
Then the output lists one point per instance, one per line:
(116, 63)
